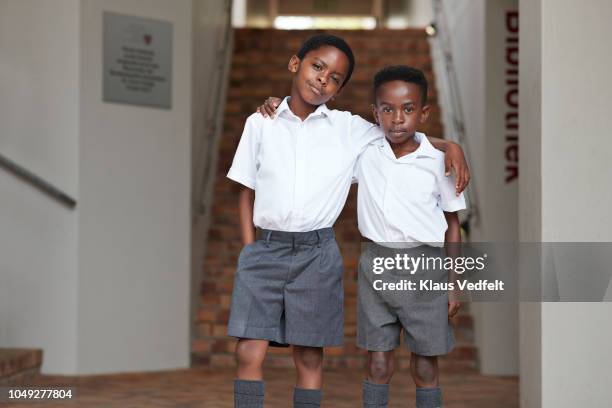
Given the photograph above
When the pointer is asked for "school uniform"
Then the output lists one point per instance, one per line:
(400, 209)
(288, 284)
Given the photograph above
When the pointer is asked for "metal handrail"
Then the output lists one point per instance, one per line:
(37, 182)
(440, 37)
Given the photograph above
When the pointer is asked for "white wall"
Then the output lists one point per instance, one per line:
(39, 88)
(497, 323)
(39, 120)
(530, 202)
(420, 13)
(134, 226)
(574, 358)
(477, 36)
(575, 69)
(104, 287)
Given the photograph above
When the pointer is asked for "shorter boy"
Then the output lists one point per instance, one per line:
(404, 201)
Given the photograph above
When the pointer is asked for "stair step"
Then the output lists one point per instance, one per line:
(18, 366)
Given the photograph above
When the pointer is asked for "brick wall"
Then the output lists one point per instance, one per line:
(259, 70)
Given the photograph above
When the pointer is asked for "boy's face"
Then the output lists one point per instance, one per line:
(399, 110)
(319, 76)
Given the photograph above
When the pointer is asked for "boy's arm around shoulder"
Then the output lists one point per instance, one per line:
(362, 132)
(449, 200)
(454, 158)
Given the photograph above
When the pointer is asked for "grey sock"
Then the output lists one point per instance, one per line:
(303, 398)
(248, 394)
(375, 395)
(428, 397)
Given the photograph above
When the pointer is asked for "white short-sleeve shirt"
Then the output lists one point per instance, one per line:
(403, 200)
(301, 171)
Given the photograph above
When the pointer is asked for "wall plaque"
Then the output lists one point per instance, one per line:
(137, 60)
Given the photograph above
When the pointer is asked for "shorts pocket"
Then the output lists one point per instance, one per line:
(330, 260)
(331, 288)
(250, 255)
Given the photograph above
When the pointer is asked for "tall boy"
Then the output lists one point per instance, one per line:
(296, 170)
(404, 200)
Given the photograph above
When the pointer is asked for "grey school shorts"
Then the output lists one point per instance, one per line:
(288, 289)
(422, 314)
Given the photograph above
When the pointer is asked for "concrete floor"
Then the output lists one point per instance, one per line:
(208, 388)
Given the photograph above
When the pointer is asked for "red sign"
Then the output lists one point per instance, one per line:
(512, 96)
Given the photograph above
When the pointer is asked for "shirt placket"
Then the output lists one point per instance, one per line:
(299, 187)
(385, 195)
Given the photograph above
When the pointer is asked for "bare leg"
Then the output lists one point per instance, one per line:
(309, 364)
(424, 370)
(381, 365)
(250, 355)
(379, 370)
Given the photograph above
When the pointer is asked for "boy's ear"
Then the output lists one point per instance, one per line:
(375, 114)
(425, 113)
(294, 64)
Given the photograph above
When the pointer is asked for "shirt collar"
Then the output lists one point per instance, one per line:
(322, 110)
(425, 148)
(284, 106)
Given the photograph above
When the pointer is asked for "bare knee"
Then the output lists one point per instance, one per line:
(381, 366)
(309, 365)
(424, 370)
(308, 358)
(250, 353)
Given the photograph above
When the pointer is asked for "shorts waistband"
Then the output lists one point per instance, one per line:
(308, 237)
(424, 249)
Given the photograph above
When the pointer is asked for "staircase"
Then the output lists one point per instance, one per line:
(19, 366)
(259, 70)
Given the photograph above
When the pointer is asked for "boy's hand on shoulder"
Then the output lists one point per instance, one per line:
(269, 107)
(455, 159)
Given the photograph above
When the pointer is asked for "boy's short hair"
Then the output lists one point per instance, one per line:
(321, 40)
(401, 73)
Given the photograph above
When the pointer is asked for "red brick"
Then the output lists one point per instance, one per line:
(219, 330)
(206, 315)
